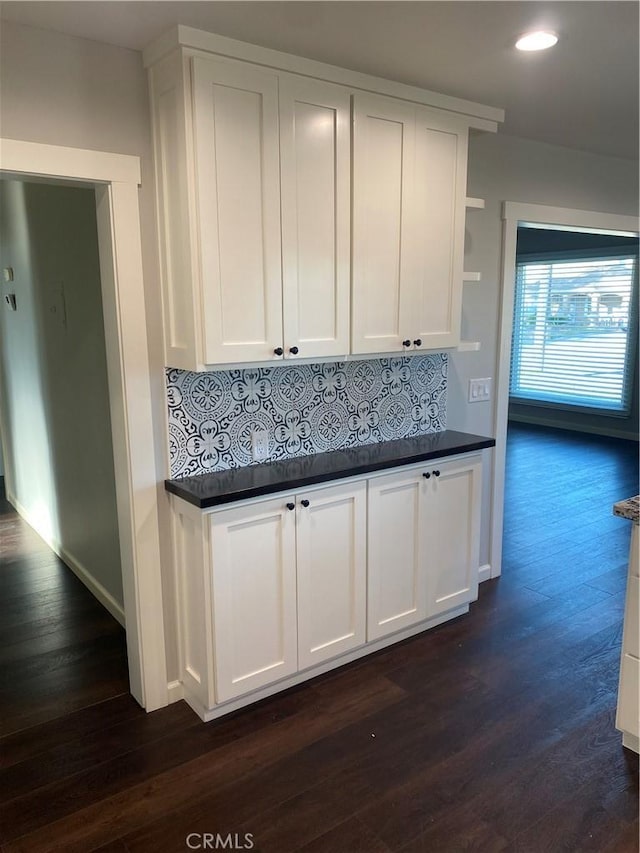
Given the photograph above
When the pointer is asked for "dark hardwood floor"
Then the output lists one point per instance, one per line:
(494, 732)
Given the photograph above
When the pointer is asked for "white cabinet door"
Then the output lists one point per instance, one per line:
(439, 209)
(235, 111)
(450, 529)
(315, 152)
(331, 548)
(383, 177)
(397, 592)
(253, 555)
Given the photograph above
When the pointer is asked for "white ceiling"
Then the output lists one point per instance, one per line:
(582, 94)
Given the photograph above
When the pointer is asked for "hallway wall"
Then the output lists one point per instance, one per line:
(53, 378)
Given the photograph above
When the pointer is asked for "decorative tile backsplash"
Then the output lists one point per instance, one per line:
(305, 408)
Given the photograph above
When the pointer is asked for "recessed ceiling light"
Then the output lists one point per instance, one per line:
(539, 40)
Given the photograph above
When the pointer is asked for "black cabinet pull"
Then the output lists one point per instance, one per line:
(427, 476)
(305, 502)
(293, 350)
(291, 506)
(418, 342)
(406, 343)
(436, 473)
(278, 351)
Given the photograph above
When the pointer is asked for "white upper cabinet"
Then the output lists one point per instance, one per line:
(286, 230)
(315, 190)
(409, 184)
(383, 182)
(235, 112)
(439, 210)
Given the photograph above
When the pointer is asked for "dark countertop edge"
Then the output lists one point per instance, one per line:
(295, 483)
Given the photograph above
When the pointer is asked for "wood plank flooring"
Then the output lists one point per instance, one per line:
(494, 732)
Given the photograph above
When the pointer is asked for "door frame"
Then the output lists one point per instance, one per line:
(116, 178)
(513, 214)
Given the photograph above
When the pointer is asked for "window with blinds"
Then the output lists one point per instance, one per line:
(573, 334)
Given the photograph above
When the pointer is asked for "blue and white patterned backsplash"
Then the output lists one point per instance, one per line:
(305, 408)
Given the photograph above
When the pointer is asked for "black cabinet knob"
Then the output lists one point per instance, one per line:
(305, 502)
(436, 473)
(278, 351)
(291, 506)
(406, 343)
(427, 476)
(417, 342)
(293, 350)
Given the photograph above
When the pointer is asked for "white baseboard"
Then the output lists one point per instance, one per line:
(81, 572)
(484, 573)
(609, 432)
(175, 691)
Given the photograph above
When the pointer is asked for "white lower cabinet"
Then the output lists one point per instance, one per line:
(628, 711)
(275, 590)
(451, 532)
(423, 543)
(254, 596)
(397, 594)
(331, 556)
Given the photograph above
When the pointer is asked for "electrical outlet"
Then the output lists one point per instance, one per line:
(259, 444)
(479, 390)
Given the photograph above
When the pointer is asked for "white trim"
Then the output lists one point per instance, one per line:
(116, 178)
(480, 116)
(175, 691)
(514, 213)
(472, 203)
(542, 214)
(74, 163)
(80, 571)
(484, 573)
(575, 427)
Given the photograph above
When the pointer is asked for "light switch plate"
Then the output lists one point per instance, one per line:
(479, 390)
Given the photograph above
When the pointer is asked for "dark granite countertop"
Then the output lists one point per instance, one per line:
(236, 484)
(630, 508)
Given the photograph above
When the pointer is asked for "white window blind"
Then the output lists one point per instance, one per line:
(573, 335)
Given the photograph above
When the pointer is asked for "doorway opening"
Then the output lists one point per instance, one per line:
(115, 179)
(567, 345)
(55, 395)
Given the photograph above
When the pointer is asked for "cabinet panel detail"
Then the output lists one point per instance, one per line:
(439, 205)
(451, 531)
(331, 549)
(236, 138)
(383, 153)
(396, 581)
(254, 588)
(192, 597)
(315, 177)
(628, 713)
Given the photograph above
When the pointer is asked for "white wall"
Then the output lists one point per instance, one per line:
(55, 402)
(62, 90)
(504, 168)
